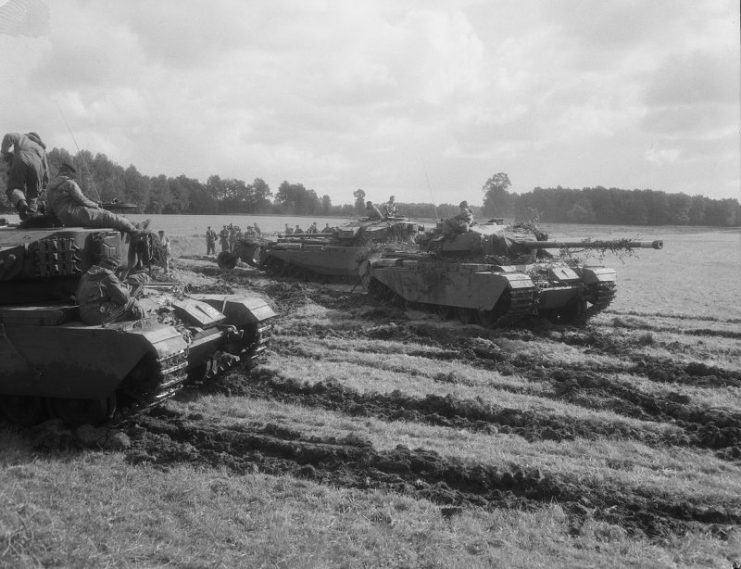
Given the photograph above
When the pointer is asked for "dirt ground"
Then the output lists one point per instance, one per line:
(636, 370)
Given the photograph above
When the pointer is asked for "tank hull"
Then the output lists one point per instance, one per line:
(493, 295)
(335, 255)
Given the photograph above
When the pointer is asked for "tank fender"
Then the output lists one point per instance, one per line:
(198, 313)
(564, 274)
(239, 310)
(592, 275)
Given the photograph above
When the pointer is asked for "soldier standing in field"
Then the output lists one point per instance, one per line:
(210, 241)
(224, 239)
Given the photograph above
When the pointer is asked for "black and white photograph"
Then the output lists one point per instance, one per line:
(412, 284)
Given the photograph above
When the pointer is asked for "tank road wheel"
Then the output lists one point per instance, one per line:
(83, 411)
(488, 318)
(467, 315)
(226, 260)
(443, 311)
(21, 409)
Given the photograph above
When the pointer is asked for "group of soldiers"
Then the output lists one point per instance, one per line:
(101, 295)
(309, 230)
(373, 212)
(228, 237)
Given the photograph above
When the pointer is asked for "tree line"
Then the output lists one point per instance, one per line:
(105, 181)
(613, 206)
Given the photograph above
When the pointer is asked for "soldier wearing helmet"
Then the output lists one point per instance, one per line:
(102, 297)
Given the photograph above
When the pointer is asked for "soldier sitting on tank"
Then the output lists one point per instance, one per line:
(312, 228)
(460, 223)
(103, 298)
(372, 212)
(288, 230)
(69, 205)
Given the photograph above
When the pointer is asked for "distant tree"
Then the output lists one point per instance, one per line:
(359, 196)
(326, 204)
(497, 201)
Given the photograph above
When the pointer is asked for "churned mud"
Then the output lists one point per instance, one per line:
(164, 438)
(636, 372)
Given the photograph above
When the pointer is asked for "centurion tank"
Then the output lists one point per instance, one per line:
(328, 255)
(54, 365)
(496, 275)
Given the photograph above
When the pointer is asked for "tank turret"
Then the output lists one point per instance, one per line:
(55, 365)
(497, 274)
(333, 254)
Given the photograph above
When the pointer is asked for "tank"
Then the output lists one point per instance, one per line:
(496, 275)
(53, 365)
(331, 255)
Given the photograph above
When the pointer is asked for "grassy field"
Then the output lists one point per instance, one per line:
(374, 437)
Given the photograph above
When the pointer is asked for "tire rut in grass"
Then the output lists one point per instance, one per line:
(165, 438)
(447, 411)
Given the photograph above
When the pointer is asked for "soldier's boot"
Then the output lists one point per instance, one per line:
(18, 199)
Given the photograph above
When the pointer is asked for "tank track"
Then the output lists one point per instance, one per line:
(601, 296)
(154, 381)
(521, 305)
(259, 344)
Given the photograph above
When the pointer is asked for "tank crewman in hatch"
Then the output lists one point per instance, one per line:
(461, 222)
(69, 205)
(372, 212)
(103, 298)
(389, 208)
(28, 172)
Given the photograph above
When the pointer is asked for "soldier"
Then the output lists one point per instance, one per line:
(28, 172)
(224, 239)
(258, 231)
(103, 298)
(288, 230)
(210, 241)
(297, 229)
(312, 228)
(372, 212)
(232, 239)
(389, 208)
(165, 242)
(461, 222)
(327, 228)
(69, 205)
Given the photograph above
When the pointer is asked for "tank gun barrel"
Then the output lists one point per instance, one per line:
(604, 244)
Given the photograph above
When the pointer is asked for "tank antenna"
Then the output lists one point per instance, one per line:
(72, 134)
(429, 189)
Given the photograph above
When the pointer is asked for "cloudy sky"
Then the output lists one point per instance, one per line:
(425, 99)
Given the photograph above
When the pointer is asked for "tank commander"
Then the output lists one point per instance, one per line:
(389, 208)
(28, 171)
(372, 212)
(69, 205)
(103, 298)
(461, 222)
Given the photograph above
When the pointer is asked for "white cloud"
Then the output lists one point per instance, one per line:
(383, 95)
